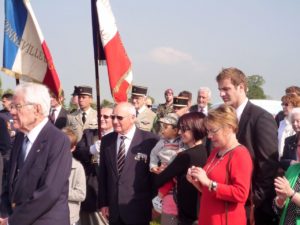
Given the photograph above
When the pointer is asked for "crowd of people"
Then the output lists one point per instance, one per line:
(180, 164)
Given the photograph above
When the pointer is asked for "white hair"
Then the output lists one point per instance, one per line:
(130, 107)
(207, 90)
(295, 111)
(36, 94)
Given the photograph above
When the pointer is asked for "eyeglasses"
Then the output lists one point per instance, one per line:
(120, 118)
(213, 131)
(149, 106)
(106, 116)
(184, 128)
(19, 106)
(285, 104)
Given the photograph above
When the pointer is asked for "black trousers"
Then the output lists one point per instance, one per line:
(121, 222)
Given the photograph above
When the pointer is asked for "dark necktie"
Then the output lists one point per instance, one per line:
(137, 113)
(83, 117)
(52, 116)
(201, 110)
(121, 155)
(22, 153)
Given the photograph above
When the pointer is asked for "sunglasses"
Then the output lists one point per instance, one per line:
(285, 104)
(120, 118)
(106, 116)
(149, 106)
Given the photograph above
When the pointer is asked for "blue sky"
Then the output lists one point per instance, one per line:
(176, 44)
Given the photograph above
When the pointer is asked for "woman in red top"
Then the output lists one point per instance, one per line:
(225, 179)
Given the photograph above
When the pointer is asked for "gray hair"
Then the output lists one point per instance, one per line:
(36, 94)
(206, 89)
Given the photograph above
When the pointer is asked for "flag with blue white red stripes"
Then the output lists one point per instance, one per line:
(25, 54)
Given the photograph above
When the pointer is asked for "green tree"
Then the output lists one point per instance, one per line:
(255, 90)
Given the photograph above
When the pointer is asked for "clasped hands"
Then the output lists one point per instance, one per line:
(196, 175)
(283, 188)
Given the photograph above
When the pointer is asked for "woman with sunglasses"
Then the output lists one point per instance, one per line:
(225, 179)
(289, 101)
(193, 133)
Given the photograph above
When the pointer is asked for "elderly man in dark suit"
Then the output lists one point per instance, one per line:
(40, 163)
(258, 132)
(125, 179)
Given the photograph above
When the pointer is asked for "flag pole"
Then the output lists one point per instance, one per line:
(96, 39)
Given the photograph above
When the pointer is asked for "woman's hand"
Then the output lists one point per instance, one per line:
(283, 188)
(192, 180)
(199, 174)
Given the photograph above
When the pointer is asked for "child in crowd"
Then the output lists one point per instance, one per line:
(161, 155)
(77, 182)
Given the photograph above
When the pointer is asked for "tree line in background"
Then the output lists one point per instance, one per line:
(255, 91)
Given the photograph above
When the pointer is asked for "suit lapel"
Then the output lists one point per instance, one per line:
(112, 151)
(14, 159)
(132, 151)
(244, 118)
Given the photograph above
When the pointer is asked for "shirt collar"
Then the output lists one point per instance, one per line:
(130, 134)
(241, 108)
(32, 135)
(86, 112)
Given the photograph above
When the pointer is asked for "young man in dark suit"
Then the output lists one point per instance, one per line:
(125, 180)
(258, 132)
(58, 115)
(37, 191)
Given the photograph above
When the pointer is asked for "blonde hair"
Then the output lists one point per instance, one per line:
(223, 115)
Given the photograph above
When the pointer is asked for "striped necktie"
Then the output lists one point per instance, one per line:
(121, 155)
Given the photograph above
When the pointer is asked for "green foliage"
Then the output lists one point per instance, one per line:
(106, 103)
(255, 90)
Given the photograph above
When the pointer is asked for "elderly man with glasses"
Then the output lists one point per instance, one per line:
(37, 191)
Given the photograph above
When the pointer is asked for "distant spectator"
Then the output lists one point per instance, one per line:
(181, 105)
(149, 102)
(289, 90)
(203, 98)
(58, 115)
(188, 95)
(289, 156)
(289, 101)
(144, 116)
(167, 107)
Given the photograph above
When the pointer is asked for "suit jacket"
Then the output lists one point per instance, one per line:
(5, 146)
(38, 193)
(289, 151)
(76, 124)
(258, 132)
(82, 154)
(61, 120)
(129, 195)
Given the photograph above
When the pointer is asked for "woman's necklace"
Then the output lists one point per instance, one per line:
(217, 159)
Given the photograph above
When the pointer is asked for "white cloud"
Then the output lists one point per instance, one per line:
(168, 55)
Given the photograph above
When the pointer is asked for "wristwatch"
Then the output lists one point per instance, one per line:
(214, 185)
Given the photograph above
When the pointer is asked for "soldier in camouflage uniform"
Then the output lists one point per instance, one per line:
(167, 107)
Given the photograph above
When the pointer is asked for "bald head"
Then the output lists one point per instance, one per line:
(123, 117)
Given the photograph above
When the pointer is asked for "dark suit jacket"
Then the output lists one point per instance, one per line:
(289, 151)
(258, 132)
(4, 146)
(38, 194)
(61, 120)
(82, 154)
(128, 195)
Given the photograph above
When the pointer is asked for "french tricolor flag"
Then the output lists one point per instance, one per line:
(25, 54)
(108, 46)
